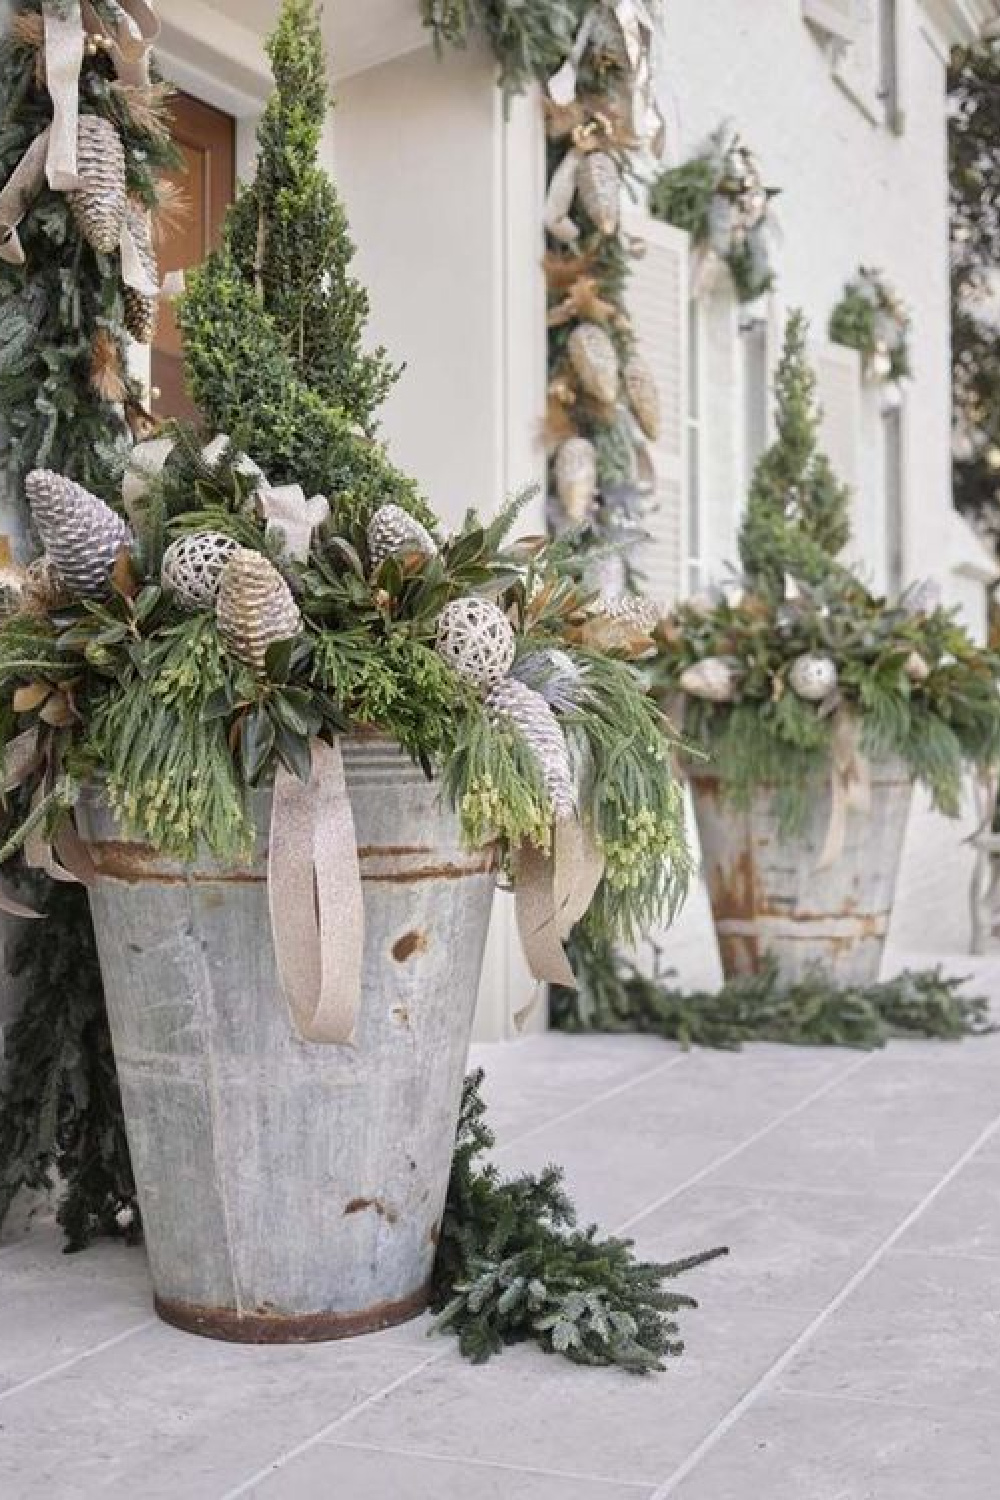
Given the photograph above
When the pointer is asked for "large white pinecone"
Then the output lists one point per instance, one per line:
(254, 607)
(392, 531)
(593, 357)
(141, 311)
(599, 185)
(81, 535)
(528, 712)
(99, 204)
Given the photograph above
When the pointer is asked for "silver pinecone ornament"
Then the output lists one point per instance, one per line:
(715, 678)
(254, 607)
(643, 396)
(142, 311)
(529, 713)
(631, 610)
(575, 473)
(393, 532)
(812, 677)
(598, 182)
(81, 535)
(593, 357)
(100, 203)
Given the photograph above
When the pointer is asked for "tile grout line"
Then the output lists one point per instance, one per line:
(645, 1485)
(751, 1140)
(770, 1375)
(75, 1359)
(277, 1464)
(581, 1109)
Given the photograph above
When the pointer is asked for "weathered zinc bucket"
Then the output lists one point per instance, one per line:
(290, 1190)
(778, 899)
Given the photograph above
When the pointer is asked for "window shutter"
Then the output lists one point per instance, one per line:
(835, 18)
(838, 388)
(658, 299)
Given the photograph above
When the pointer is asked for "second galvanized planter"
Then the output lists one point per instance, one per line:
(770, 900)
(291, 1190)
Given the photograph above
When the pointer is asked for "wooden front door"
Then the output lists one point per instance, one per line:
(206, 138)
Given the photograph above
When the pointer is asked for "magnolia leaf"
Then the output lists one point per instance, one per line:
(31, 696)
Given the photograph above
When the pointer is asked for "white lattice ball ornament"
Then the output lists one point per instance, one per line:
(192, 568)
(475, 638)
(813, 677)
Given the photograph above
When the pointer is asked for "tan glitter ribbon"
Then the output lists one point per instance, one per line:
(850, 786)
(63, 60)
(552, 890)
(314, 894)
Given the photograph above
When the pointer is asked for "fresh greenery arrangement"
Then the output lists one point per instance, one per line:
(66, 401)
(815, 1012)
(512, 1267)
(719, 198)
(602, 406)
(767, 671)
(871, 318)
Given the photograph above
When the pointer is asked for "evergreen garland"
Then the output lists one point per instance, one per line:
(512, 1267)
(616, 995)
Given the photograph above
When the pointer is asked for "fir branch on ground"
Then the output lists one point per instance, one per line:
(60, 1110)
(511, 1268)
(615, 995)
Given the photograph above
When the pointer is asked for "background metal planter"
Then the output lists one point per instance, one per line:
(293, 1191)
(768, 899)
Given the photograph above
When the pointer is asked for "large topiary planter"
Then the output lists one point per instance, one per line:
(770, 901)
(290, 1190)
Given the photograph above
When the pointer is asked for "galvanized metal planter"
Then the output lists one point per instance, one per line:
(293, 1191)
(770, 901)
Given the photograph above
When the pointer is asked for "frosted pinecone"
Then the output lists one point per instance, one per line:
(81, 535)
(555, 676)
(528, 713)
(100, 203)
(599, 184)
(643, 396)
(254, 607)
(593, 357)
(141, 312)
(631, 610)
(391, 531)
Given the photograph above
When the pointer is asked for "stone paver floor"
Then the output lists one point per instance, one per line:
(848, 1349)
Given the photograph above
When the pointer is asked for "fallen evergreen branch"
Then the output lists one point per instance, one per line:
(615, 995)
(511, 1267)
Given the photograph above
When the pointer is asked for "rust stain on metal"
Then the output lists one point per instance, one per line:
(271, 1326)
(391, 851)
(409, 944)
(733, 892)
(138, 862)
(359, 1205)
(427, 872)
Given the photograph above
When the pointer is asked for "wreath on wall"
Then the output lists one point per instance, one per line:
(872, 318)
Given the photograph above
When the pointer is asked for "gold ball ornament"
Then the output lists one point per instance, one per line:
(714, 678)
(477, 641)
(812, 677)
(575, 471)
(593, 357)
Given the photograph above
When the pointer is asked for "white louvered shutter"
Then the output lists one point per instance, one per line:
(658, 301)
(836, 18)
(838, 388)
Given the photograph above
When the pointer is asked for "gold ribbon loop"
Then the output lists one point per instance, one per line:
(314, 894)
(63, 61)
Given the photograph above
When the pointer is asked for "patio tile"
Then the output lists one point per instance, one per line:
(534, 1411)
(787, 1249)
(624, 1154)
(332, 1469)
(817, 1448)
(894, 1128)
(920, 1329)
(164, 1414)
(965, 1218)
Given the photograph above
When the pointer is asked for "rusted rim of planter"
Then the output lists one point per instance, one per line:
(282, 1328)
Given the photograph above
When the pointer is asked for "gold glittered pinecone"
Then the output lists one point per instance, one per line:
(99, 204)
(142, 312)
(393, 532)
(643, 396)
(81, 535)
(593, 357)
(530, 715)
(254, 607)
(598, 181)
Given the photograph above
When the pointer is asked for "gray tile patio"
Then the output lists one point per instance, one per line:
(847, 1350)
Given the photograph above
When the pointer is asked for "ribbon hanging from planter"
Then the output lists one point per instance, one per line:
(552, 890)
(314, 895)
(850, 786)
(64, 857)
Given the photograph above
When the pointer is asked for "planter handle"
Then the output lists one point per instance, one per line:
(314, 895)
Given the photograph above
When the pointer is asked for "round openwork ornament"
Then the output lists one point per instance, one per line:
(192, 567)
(476, 640)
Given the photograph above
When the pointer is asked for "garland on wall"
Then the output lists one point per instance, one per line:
(83, 146)
(872, 318)
(720, 199)
(594, 62)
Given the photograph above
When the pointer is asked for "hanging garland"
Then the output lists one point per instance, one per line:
(871, 318)
(594, 62)
(720, 199)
